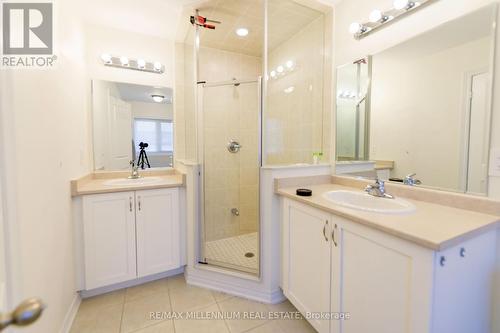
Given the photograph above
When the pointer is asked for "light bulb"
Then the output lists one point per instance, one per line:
(401, 4)
(242, 32)
(280, 69)
(289, 64)
(157, 66)
(289, 90)
(158, 98)
(141, 63)
(106, 58)
(273, 74)
(354, 28)
(124, 61)
(376, 16)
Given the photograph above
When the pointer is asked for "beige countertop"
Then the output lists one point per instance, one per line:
(95, 183)
(433, 226)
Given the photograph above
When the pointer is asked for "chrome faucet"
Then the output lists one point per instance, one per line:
(411, 181)
(134, 174)
(378, 190)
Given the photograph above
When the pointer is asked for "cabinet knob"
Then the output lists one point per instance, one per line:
(462, 252)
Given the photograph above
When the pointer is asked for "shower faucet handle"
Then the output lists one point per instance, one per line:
(233, 146)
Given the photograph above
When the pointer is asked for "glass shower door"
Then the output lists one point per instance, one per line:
(230, 144)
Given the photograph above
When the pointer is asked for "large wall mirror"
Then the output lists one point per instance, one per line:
(422, 107)
(131, 122)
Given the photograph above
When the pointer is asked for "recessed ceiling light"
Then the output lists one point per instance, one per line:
(242, 32)
(158, 98)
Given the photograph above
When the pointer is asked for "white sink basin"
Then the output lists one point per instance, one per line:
(369, 203)
(128, 182)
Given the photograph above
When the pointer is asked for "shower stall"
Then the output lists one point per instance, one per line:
(230, 155)
(248, 72)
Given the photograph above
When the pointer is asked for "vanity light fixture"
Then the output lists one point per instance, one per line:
(157, 98)
(378, 18)
(135, 64)
(106, 58)
(282, 70)
(141, 63)
(124, 61)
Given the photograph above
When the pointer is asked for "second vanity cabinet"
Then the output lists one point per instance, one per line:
(130, 235)
(382, 283)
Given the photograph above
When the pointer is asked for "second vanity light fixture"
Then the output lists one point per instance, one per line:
(282, 70)
(379, 18)
(135, 64)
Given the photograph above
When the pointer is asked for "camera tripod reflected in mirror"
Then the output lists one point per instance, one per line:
(143, 157)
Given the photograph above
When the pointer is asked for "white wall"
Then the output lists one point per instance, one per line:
(45, 144)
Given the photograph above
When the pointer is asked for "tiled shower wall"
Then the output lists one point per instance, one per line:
(230, 112)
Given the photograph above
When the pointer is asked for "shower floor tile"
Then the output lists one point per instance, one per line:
(231, 252)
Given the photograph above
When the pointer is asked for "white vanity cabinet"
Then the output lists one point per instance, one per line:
(384, 283)
(128, 235)
(306, 258)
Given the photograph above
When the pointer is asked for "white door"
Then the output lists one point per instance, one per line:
(478, 135)
(306, 261)
(120, 134)
(109, 238)
(157, 221)
(383, 283)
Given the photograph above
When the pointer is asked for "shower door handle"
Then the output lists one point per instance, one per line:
(233, 146)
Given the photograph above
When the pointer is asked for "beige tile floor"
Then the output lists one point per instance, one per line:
(129, 310)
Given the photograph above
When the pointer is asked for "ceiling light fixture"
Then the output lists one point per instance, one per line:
(242, 32)
(158, 98)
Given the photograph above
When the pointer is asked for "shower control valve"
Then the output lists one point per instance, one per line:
(233, 146)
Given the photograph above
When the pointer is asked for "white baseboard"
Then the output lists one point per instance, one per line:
(71, 314)
(225, 286)
(131, 283)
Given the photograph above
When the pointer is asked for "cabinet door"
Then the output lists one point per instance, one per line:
(384, 283)
(157, 220)
(109, 239)
(306, 261)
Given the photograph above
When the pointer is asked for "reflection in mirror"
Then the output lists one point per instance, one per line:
(128, 119)
(297, 116)
(353, 100)
(429, 108)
